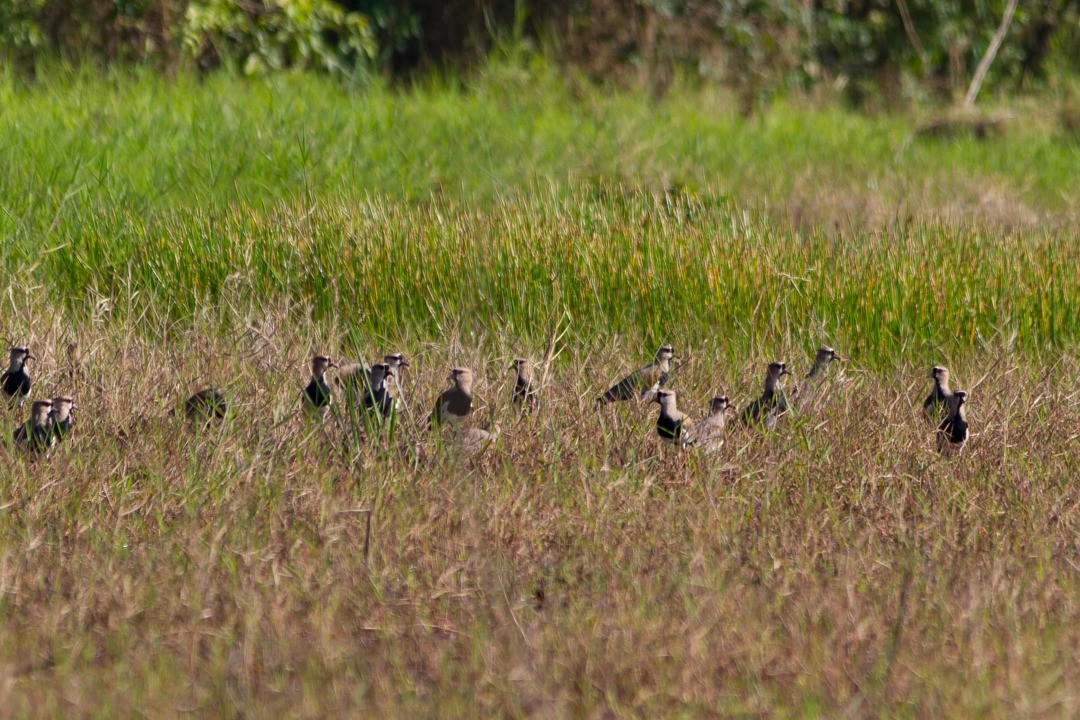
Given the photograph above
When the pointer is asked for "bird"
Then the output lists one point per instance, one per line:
(15, 382)
(455, 403)
(811, 387)
(642, 383)
(473, 441)
(357, 378)
(768, 408)
(952, 433)
(708, 436)
(35, 435)
(377, 395)
(524, 392)
(206, 405)
(317, 393)
(939, 399)
(353, 377)
(60, 418)
(672, 425)
(396, 361)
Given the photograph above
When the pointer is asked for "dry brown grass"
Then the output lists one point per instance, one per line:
(577, 568)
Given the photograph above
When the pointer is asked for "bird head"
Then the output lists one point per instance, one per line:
(396, 360)
(778, 369)
(665, 398)
(939, 373)
(462, 377)
(826, 354)
(666, 352)
(63, 404)
(320, 364)
(719, 404)
(961, 397)
(20, 354)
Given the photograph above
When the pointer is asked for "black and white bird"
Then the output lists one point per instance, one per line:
(206, 405)
(645, 382)
(317, 396)
(952, 433)
(708, 435)
(378, 396)
(15, 382)
(672, 425)
(767, 409)
(455, 403)
(940, 398)
(524, 393)
(61, 421)
(359, 381)
(35, 435)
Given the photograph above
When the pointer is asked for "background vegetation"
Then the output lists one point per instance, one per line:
(895, 48)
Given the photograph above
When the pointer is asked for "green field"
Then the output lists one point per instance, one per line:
(160, 235)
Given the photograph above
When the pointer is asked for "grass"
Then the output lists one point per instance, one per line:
(165, 234)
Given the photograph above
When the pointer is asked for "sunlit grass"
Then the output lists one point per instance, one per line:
(163, 235)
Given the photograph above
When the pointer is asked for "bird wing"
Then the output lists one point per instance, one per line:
(625, 389)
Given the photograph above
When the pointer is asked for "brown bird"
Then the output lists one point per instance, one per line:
(60, 419)
(643, 383)
(811, 389)
(455, 403)
(473, 441)
(952, 433)
(768, 408)
(15, 381)
(524, 392)
(940, 397)
(35, 435)
(206, 405)
(708, 437)
(317, 396)
(672, 425)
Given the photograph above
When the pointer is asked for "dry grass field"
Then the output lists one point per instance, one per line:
(275, 566)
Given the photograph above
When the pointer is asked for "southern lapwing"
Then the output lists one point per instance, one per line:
(940, 398)
(378, 396)
(61, 420)
(643, 383)
(206, 405)
(524, 392)
(768, 408)
(317, 394)
(455, 403)
(952, 433)
(672, 425)
(35, 435)
(810, 390)
(708, 435)
(15, 382)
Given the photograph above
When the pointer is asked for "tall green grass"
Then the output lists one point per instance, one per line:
(678, 267)
(516, 199)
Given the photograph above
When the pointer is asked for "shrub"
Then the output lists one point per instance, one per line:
(254, 37)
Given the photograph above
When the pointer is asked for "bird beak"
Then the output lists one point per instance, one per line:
(836, 356)
(74, 406)
(403, 363)
(785, 371)
(29, 357)
(331, 364)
